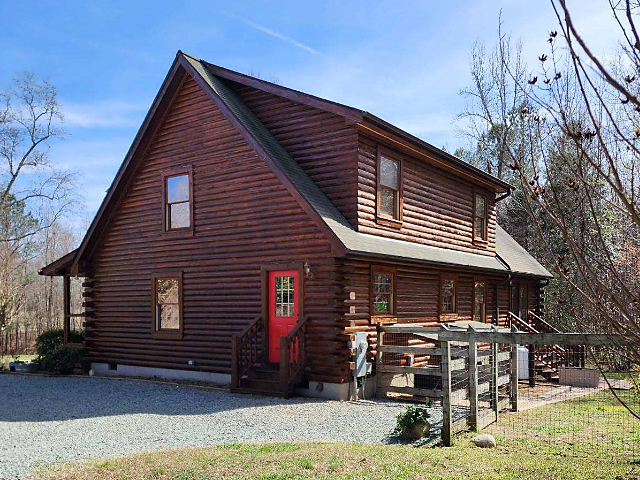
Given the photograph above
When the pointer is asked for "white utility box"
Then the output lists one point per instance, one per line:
(523, 362)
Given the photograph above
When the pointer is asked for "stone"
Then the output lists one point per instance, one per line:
(484, 441)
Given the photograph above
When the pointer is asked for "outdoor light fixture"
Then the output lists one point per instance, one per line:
(307, 270)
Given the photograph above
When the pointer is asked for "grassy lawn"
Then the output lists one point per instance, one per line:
(6, 359)
(591, 439)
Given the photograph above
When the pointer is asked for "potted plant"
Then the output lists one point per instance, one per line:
(413, 423)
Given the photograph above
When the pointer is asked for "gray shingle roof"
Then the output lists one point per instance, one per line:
(355, 242)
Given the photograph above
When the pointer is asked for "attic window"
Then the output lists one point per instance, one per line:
(480, 218)
(178, 200)
(389, 188)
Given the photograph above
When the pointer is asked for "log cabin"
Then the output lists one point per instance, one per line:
(252, 229)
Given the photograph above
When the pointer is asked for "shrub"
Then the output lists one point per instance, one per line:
(407, 419)
(51, 340)
(63, 360)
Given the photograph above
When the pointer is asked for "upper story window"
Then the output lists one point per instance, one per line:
(389, 188)
(480, 217)
(383, 291)
(178, 200)
(167, 305)
(448, 288)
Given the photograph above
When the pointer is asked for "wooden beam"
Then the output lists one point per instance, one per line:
(473, 385)
(514, 377)
(66, 300)
(534, 338)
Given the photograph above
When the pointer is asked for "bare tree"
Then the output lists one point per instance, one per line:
(576, 162)
(34, 192)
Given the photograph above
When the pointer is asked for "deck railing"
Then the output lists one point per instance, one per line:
(293, 355)
(245, 350)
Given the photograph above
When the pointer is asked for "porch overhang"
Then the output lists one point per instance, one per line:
(59, 267)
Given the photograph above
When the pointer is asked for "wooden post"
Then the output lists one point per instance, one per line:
(494, 378)
(532, 366)
(235, 381)
(473, 383)
(379, 385)
(447, 423)
(66, 299)
(284, 364)
(514, 374)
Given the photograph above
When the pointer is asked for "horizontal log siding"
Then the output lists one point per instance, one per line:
(438, 206)
(319, 141)
(417, 295)
(244, 218)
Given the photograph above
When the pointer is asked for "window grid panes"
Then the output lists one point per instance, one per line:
(383, 292)
(178, 202)
(481, 218)
(448, 296)
(285, 296)
(167, 304)
(479, 302)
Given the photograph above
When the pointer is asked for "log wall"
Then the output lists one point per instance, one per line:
(437, 206)
(244, 219)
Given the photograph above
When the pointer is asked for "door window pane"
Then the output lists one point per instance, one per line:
(285, 296)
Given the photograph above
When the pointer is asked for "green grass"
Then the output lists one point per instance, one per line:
(6, 359)
(568, 440)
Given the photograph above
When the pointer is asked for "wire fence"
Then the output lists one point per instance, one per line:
(547, 392)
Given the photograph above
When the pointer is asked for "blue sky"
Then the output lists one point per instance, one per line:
(403, 61)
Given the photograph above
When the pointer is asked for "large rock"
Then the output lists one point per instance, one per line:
(484, 441)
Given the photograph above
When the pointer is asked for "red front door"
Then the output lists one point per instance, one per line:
(283, 308)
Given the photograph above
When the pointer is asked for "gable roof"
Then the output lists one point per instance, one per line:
(344, 238)
(360, 118)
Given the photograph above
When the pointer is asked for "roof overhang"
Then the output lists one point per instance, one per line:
(59, 267)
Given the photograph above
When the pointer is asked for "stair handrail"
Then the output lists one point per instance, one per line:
(245, 350)
(540, 320)
(523, 325)
(293, 354)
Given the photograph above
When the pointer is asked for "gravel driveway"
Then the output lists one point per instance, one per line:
(49, 419)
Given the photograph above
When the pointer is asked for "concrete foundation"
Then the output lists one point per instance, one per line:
(338, 391)
(166, 373)
(330, 391)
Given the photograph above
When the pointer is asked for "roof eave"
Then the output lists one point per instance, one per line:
(499, 185)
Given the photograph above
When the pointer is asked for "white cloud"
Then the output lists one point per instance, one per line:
(103, 114)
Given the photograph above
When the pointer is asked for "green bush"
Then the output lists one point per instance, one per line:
(408, 418)
(63, 360)
(52, 340)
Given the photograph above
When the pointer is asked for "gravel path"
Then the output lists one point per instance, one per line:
(49, 419)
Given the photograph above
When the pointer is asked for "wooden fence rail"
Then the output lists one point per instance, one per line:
(454, 354)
